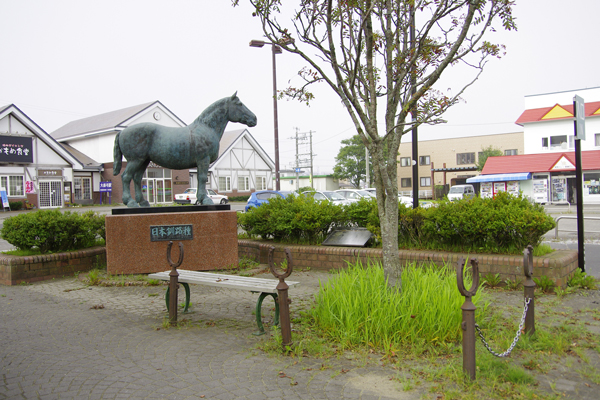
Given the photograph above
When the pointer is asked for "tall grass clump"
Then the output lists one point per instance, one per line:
(358, 308)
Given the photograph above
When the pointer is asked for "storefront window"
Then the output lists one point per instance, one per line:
(82, 188)
(591, 181)
(14, 185)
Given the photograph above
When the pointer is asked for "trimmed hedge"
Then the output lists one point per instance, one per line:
(52, 230)
(238, 198)
(504, 224)
(15, 205)
(297, 219)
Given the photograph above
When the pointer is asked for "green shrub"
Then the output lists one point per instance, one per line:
(238, 198)
(53, 230)
(296, 219)
(582, 280)
(546, 284)
(362, 213)
(504, 224)
(15, 205)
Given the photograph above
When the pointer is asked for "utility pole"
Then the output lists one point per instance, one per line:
(311, 163)
(303, 139)
(297, 164)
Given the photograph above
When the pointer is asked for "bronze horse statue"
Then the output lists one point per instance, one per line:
(195, 145)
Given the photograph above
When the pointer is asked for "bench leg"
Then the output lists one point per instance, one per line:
(261, 329)
(187, 296)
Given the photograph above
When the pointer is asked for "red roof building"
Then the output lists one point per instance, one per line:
(557, 112)
(546, 170)
(547, 162)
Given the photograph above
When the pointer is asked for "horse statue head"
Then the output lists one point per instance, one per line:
(238, 112)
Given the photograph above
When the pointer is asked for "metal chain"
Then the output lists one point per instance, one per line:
(514, 343)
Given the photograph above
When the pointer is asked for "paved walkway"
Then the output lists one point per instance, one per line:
(59, 343)
(63, 340)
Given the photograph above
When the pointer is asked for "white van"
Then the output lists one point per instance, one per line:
(458, 192)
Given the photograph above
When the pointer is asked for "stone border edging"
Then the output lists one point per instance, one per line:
(16, 269)
(558, 265)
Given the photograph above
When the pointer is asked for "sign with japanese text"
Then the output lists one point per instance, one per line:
(171, 232)
(16, 149)
(50, 172)
(105, 187)
(5, 203)
(29, 187)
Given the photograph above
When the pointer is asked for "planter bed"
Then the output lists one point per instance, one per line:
(15, 270)
(558, 265)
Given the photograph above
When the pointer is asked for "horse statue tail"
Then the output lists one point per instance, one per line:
(117, 156)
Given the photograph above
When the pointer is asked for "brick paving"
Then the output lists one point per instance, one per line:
(63, 340)
(56, 345)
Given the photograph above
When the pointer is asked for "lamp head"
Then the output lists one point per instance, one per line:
(257, 43)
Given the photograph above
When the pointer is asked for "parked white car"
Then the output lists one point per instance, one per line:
(458, 192)
(407, 201)
(355, 195)
(189, 197)
(333, 197)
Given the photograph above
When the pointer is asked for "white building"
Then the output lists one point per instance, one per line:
(548, 121)
(35, 168)
(242, 167)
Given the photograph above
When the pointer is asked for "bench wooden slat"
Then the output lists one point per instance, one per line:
(228, 281)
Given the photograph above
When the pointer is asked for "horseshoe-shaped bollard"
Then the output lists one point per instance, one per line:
(173, 282)
(529, 289)
(284, 302)
(460, 278)
(468, 315)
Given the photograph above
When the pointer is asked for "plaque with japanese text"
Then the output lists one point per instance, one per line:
(171, 232)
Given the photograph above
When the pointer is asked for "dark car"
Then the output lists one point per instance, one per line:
(262, 196)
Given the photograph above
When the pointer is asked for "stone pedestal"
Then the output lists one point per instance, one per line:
(136, 242)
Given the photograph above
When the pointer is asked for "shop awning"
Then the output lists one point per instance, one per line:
(520, 176)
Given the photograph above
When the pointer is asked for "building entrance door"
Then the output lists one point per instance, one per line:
(50, 194)
(156, 186)
(154, 191)
(149, 190)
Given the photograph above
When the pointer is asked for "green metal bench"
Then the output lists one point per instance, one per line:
(266, 287)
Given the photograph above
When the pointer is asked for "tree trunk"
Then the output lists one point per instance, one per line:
(387, 204)
(389, 239)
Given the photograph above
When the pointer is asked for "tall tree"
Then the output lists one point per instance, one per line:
(350, 161)
(364, 51)
(486, 152)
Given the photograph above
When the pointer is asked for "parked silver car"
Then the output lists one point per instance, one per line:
(406, 200)
(333, 197)
(355, 195)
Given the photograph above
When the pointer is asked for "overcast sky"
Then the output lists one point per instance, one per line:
(66, 60)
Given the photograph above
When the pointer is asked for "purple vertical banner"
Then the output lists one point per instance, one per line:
(106, 187)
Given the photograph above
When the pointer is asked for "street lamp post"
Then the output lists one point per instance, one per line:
(275, 49)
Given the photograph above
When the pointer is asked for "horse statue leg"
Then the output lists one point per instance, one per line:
(137, 184)
(201, 194)
(130, 172)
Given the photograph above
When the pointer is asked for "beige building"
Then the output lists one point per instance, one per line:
(450, 161)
